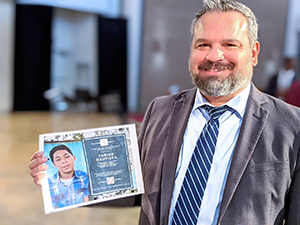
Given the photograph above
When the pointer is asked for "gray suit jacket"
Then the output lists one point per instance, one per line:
(263, 184)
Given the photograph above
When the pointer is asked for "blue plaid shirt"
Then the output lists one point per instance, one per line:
(63, 195)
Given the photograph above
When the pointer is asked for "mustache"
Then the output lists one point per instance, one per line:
(218, 65)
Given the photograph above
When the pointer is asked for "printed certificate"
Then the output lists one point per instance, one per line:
(90, 166)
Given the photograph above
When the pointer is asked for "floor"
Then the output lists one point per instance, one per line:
(20, 199)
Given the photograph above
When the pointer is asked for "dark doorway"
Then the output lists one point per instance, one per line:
(113, 58)
(32, 57)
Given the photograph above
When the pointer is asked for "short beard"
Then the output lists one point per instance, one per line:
(218, 86)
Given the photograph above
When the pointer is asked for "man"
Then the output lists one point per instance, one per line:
(280, 84)
(67, 186)
(254, 176)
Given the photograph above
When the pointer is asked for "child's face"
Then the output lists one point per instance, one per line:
(64, 161)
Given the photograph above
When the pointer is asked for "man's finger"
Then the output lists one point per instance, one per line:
(36, 155)
(38, 179)
(37, 161)
(37, 170)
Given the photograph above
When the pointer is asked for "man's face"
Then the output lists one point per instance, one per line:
(222, 60)
(64, 161)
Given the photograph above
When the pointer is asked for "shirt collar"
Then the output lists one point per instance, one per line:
(76, 173)
(55, 177)
(238, 103)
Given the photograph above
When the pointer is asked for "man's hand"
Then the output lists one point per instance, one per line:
(36, 167)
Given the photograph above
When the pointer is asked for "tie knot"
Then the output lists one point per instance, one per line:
(215, 112)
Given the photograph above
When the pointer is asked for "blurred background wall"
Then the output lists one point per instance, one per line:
(292, 40)
(157, 37)
(74, 45)
(7, 14)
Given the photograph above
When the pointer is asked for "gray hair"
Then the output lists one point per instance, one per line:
(227, 6)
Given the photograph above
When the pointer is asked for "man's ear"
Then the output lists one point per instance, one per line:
(74, 157)
(255, 53)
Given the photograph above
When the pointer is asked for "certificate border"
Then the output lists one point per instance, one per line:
(138, 186)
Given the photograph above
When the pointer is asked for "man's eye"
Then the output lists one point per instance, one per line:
(67, 156)
(57, 160)
(202, 45)
(230, 45)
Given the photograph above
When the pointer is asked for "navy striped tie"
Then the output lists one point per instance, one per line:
(189, 200)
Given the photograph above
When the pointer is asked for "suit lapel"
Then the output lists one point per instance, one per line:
(252, 126)
(178, 122)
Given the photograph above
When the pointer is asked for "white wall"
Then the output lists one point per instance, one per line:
(7, 11)
(133, 12)
(86, 50)
(74, 41)
(293, 28)
(104, 7)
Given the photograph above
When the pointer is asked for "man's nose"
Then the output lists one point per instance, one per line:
(215, 54)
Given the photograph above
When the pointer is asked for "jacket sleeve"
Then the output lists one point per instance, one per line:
(292, 214)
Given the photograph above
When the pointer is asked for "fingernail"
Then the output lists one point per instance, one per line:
(45, 159)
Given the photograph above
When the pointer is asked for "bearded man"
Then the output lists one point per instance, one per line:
(222, 152)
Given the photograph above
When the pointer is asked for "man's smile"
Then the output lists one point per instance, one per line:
(215, 67)
(222, 68)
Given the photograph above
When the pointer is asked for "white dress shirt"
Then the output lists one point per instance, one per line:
(230, 123)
